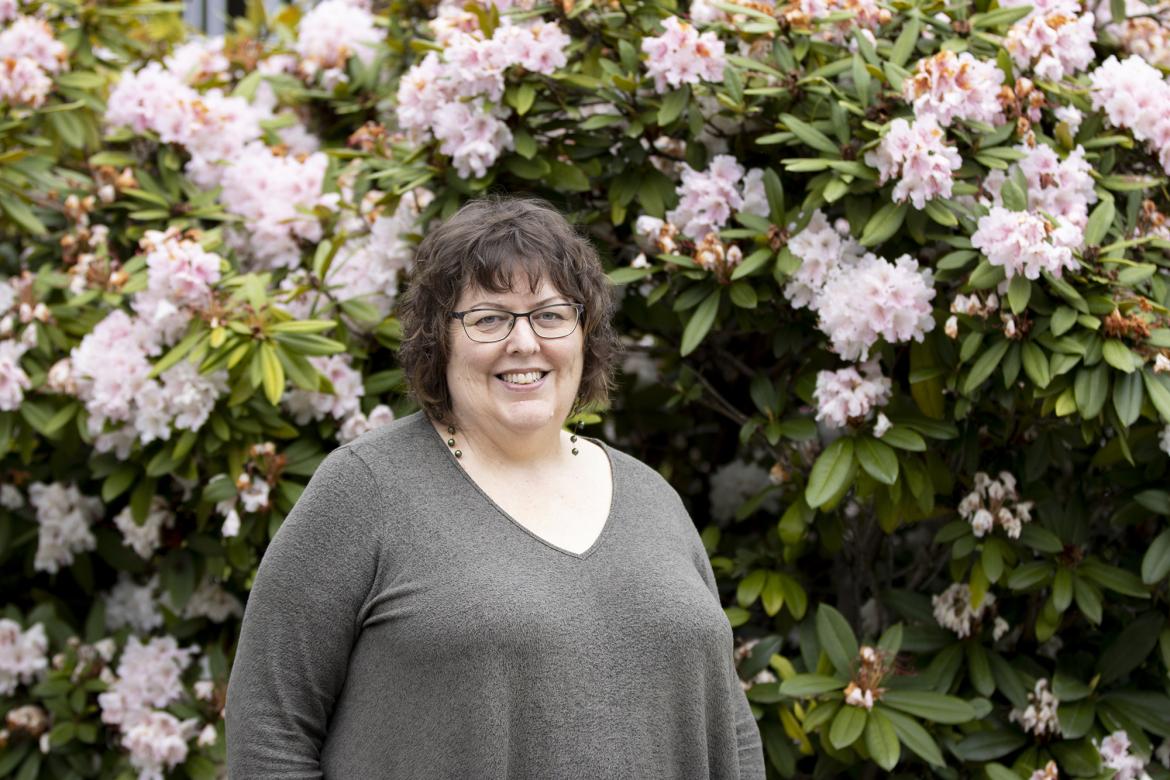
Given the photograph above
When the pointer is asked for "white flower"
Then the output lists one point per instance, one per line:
(1039, 717)
(23, 655)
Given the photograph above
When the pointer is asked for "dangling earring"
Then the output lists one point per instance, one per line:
(573, 436)
(451, 441)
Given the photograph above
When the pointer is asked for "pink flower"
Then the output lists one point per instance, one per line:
(23, 655)
(682, 56)
(23, 83)
(32, 38)
(1134, 96)
(334, 31)
(1053, 45)
(13, 380)
(849, 396)
(708, 198)
(947, 87)
(918, 155)
(1025, 244)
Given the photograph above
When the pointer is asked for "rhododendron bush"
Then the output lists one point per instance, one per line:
(894, 289)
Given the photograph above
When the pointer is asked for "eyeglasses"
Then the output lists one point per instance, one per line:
(549, 322)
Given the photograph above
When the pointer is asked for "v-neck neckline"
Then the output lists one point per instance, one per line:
(613, 495)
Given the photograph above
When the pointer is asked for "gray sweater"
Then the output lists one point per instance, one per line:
(401, 625)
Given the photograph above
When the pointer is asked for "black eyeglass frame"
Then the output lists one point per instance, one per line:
(515, 315)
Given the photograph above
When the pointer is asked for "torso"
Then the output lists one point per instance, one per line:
(568, 510)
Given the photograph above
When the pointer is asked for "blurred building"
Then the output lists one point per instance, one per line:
(211, 15)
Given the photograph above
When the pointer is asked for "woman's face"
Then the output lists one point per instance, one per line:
(481, 398)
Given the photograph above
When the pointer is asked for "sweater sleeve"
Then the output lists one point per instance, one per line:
(751, 749)
(301, 621)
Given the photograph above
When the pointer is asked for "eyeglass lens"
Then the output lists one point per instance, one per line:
(549, 322)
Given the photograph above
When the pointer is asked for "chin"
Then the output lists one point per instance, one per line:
(530, 416)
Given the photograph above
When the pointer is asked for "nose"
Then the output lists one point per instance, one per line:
(523, 338)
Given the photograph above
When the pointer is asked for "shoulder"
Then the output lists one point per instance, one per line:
(395, 447)
(642, 477)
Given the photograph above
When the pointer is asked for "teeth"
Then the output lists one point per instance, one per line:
(522, 379)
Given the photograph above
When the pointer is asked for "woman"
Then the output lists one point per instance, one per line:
(472, 592)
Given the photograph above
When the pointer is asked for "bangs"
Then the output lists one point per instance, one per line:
(500, 257)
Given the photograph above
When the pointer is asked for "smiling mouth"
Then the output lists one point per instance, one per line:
(522, 378)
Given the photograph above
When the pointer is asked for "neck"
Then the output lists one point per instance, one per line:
(507, 449)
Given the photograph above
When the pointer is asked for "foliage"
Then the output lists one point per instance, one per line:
(894, 282)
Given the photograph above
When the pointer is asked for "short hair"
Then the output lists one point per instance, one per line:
(484, 244)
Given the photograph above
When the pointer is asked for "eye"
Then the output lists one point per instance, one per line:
(551, 316)
(487, 320)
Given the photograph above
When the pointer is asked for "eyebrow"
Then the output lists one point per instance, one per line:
(501, 306)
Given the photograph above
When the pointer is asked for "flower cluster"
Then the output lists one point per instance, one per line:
(144, 538)
(1054, 43)
(1039, 717)
(995, 502)
(64, 516)
(683, 56)
(864, 15)
(23, 655)
(29, 55)
(149, 677)
(1025, 244)
(865, 687)
(332, 32)
(180, 274)
(1134, 95)
(111, 372)
(1142, 32)
(1060, 188)
(274, 192)
(345, 399)
(13, 379)
(454, 97)
(198, 60)
(366, 267)
(919, 157)
(949, 86)
(953, 609)
(1114, 751)
(876, 299)
(735, 482)
(1049, 771)
(133, 605)
(858, 296)
(848, 396)
(707, 199)
(276, 195)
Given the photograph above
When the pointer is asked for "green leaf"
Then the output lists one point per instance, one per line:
(904, 439)
(22, 215)
(932, 706)
(673, 105)
(884, 223)
(1062, 319)
(1131, 647)
(567, 177)
(805, 685)
(118, 482)
(1158, 392)
(878, 460)
(914, 737)
(832, 471)
(988, 745)
(752, 263)
(536, 168)
(700, 323)
(749, 588)
(809, 135)
(881, 740)
(1127, 398)
(907, 40)
(836, 638)
(1036, 364)
(1090, 390)
(272, 373)
(743, 295)
(1156, 562)
(1115, 579)
(1118, 355)
(985, 365)
(1099, 222)
(848, 725)
(1019, 292)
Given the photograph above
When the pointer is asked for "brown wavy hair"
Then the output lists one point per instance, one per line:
(485, 244)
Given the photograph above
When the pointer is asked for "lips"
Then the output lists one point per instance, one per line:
(525, 385)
